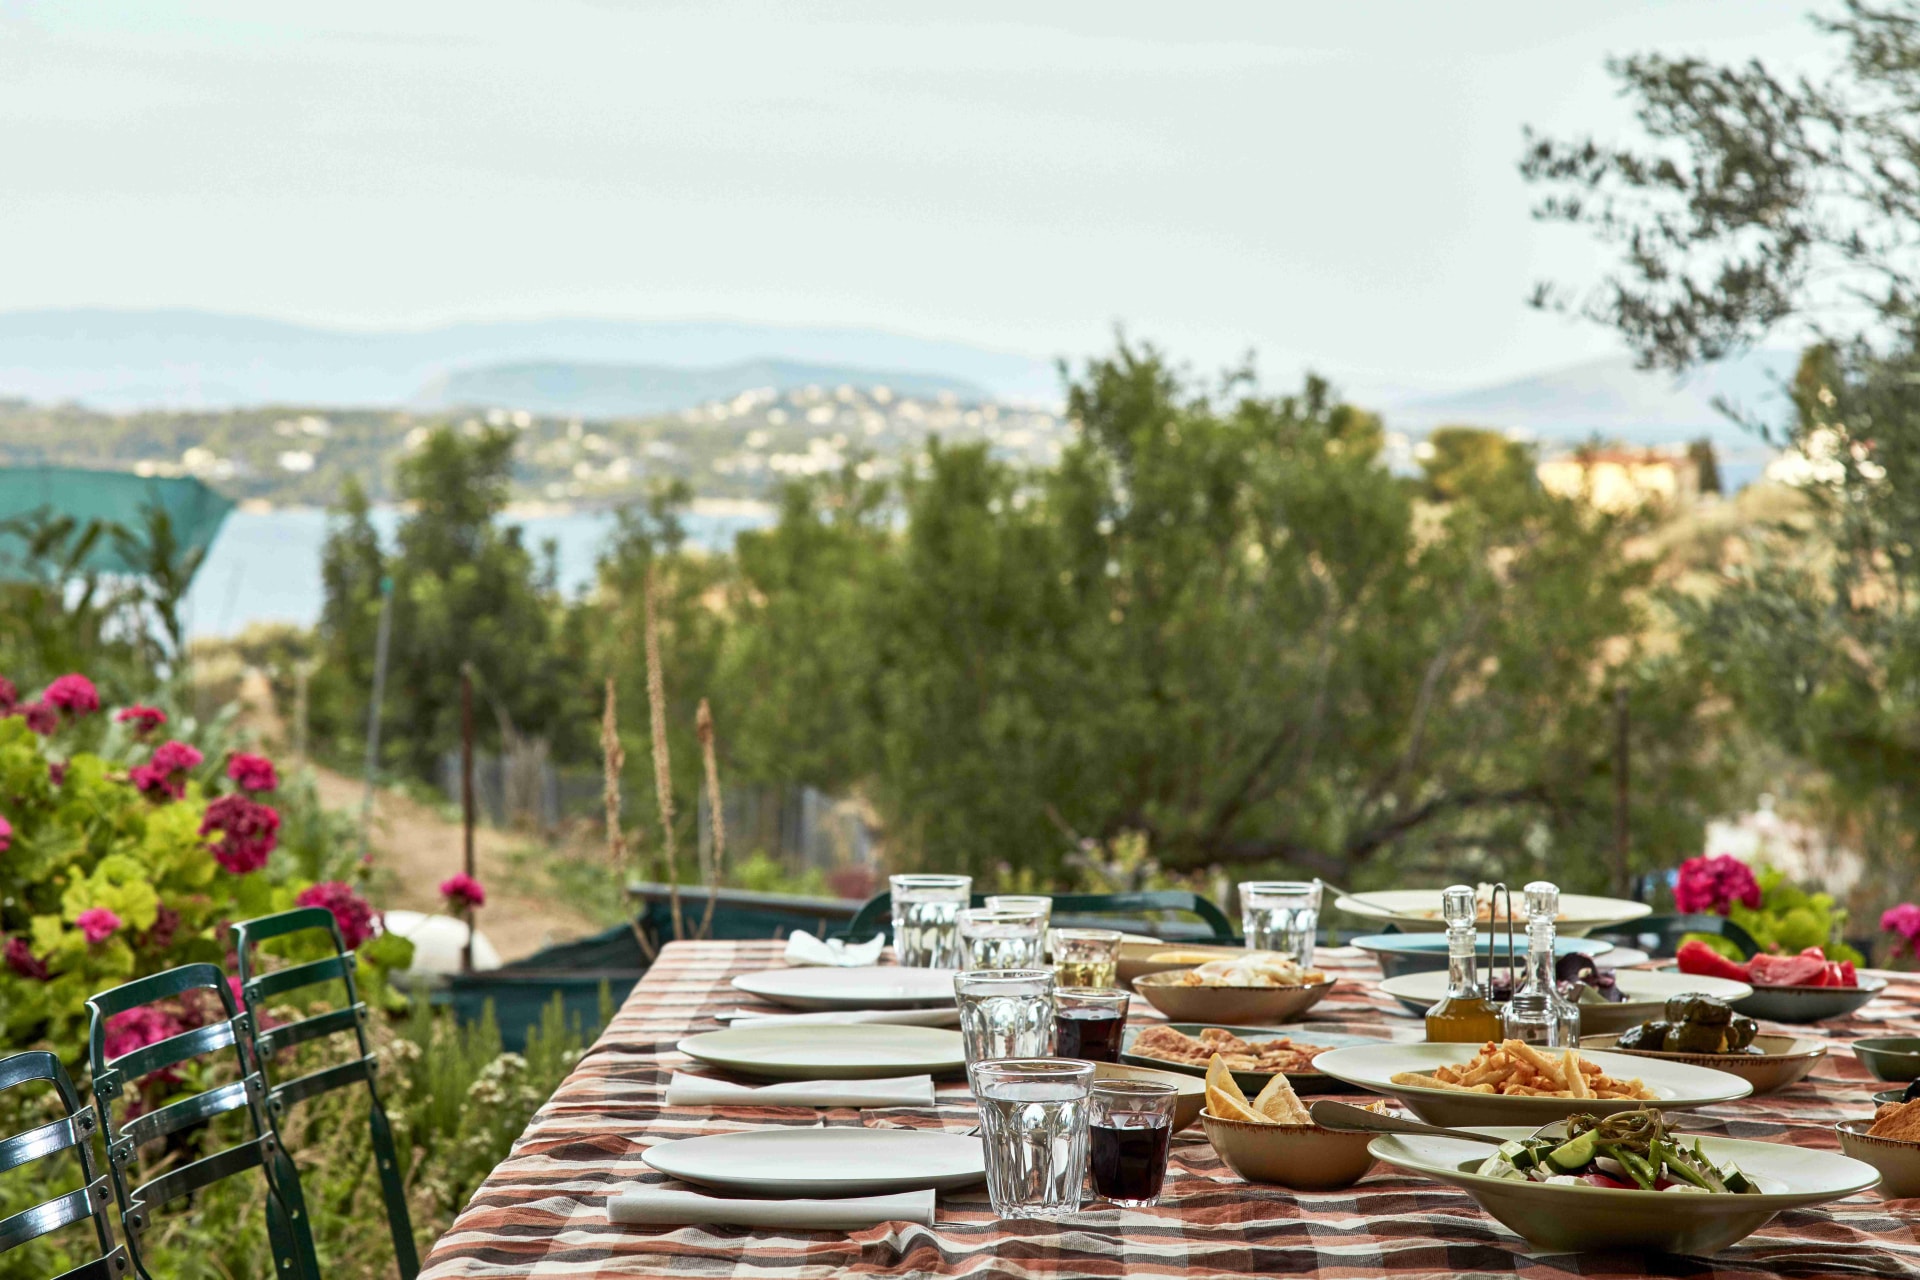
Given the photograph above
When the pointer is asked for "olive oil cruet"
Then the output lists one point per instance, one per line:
(1464, 1015)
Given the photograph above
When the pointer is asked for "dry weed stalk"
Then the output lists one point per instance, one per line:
(662, 763)
(613, 758)
(703, 726)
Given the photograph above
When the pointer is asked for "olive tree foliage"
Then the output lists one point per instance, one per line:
(1220, 623)
(1758, 205)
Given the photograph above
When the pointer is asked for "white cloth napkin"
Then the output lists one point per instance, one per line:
(805, 949)
(685, 1090)
(657, 1206)
(887, 1017)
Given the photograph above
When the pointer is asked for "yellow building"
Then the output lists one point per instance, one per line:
(1622, 479)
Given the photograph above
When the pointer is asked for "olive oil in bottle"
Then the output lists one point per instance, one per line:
(1464, 1015)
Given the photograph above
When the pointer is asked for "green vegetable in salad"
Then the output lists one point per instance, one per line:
(1628, 1151)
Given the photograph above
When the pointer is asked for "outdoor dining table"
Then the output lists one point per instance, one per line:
(543, 1211)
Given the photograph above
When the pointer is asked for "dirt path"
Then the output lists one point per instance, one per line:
(419, 848)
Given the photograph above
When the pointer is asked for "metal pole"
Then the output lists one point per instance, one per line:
(372, 767)
(466, 795)
(1622, 782)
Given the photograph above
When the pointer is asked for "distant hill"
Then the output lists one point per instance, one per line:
(182, 359)
(1613, 399)
(629, 390)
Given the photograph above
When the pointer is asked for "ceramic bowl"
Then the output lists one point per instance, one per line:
(1220, 1006)
(1304, 1157)
(1137, 958)
(1782, 1060)
(1563, 1218)
(1809, 1004)
(1646, 993)
(1885, 1096)
(1897, 1160)
(1187, 1102)
(1890, 1057)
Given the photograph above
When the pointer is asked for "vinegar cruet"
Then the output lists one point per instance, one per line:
(1538, 1014)
(1464, 1015)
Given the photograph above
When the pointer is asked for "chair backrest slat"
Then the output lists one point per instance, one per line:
(172, 1051)
(203, 1172)
(164, 1121)
(55, 1135)
(295, 976)
(294, 1092)
(51, 1215)
(272, 1040)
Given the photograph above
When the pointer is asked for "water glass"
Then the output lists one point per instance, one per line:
(1003, 938)
(1281, 915)
(926, 919)
(1005, 1013)
(1033, 1124)
(1089, 1023)
(1085, 957)
(1024, 902)
(1130, 1129)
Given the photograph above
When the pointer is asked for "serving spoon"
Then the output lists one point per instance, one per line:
(1351, 1119)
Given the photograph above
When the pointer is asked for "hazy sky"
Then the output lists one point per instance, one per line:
(1324, 183)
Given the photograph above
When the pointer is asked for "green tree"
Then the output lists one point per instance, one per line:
(1475, 462)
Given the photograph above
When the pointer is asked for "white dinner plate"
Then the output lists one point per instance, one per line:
(1646, 991)
(1563, 1218)
(1675, 1085)
(888, 987)
(805, 1163)
(853, 1051)
(1419, 910)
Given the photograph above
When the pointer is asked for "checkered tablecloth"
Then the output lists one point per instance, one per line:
(543, 1211)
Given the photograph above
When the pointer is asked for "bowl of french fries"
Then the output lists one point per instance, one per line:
(1508, 1082)
(1259, 987)
(1271, 1138)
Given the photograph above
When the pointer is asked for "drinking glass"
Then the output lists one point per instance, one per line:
(1085, 957)
(926, 913)
(1005, 1013)
(1130, 1128)
(1088, 1023)
(1003, 938)
(1024, 902)
(1281, 915)
(1033, 1124)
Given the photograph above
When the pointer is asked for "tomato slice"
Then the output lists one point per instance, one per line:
(1602, 1180)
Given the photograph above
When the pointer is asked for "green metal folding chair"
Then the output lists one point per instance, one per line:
(74, 1133)
(876, 913)
(288, 1232)
(256, 988)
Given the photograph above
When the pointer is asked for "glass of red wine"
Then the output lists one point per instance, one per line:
(1130, 1127)
(1088, 1022)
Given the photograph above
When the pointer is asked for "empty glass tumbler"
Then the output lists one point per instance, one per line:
(926, 919)
(1001, 938)
(1130, 1130)
(1005, 1013)
(1281, 915)
(1085, 957)
(1033, 1125)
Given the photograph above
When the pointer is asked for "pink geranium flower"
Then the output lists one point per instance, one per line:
(139, 1027)
(41, 717)
(1903, 922)
(143, 719)
(251, 772)
(9, 697)
(98, 924)
(21, 960)
(350, 911)
(73, 694)
(164, 777)
(1714, 884)
(6, 835)
(463, 891)
(248, 832)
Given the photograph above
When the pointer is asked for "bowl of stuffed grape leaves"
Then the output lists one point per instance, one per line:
(1705, 1032)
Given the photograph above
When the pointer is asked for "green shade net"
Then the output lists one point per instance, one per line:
(112, 497)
